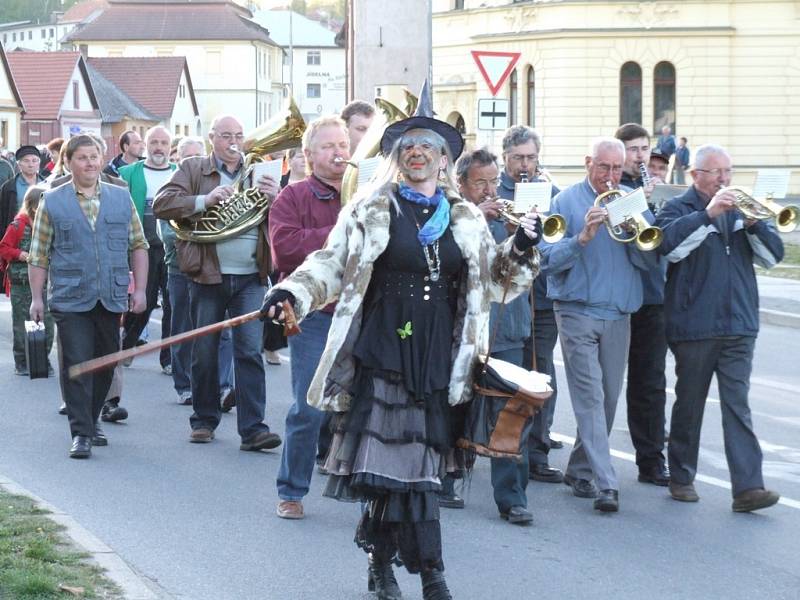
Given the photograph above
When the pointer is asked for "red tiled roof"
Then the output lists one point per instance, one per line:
(151, 81)
(42, 79)
(78, 12)
(171, 20)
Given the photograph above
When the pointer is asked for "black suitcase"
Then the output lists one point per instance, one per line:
(36, 349)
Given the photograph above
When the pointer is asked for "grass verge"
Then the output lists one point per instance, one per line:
(789, 268)
(38, 563)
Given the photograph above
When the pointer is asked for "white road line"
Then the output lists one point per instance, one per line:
(721, 483)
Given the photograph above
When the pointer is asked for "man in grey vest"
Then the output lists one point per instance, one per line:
(81, 238)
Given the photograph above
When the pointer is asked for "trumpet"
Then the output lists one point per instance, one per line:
(786, 217)
(553, 226)
(647, 237)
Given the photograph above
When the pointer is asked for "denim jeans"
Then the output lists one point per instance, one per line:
(302, 421)
(545, 337)
(237, 295)
(181, 354)
(510, 477)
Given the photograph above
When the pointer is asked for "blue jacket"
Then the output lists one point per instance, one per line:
(711, 286)
(602, 279)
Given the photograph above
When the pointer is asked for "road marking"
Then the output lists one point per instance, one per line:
(721, 483)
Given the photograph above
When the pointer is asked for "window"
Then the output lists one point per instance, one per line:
(664, 96)
(181, 91)
(186, 130)
(512, 98)
(76, 95)
(312, 57)
(458, 5)
(52, 32)
(14, 37)
(630, 93)
(30, 35)
(531, 98)
(460, 125)
(313, 90)
(44, 33)
(177, 129)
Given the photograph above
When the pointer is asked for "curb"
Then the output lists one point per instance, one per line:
(132, 585)
(780, 318)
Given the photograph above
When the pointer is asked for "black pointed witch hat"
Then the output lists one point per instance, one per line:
(423, 119)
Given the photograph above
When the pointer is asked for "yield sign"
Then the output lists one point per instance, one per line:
(495, 67)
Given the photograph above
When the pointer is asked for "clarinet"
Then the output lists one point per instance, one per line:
(645, 175)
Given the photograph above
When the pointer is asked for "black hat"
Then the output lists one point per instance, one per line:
(656, 153)
(24, 151)
(423, 119)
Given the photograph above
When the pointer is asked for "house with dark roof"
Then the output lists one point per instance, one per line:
(57, 94)
(11, 106)
(157, 89)
(234, 63)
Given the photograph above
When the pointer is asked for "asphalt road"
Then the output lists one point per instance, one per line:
(198, 521)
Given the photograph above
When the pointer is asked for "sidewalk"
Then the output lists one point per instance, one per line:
(780, 301)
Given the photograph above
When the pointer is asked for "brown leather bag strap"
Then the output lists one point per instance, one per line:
(533, 329)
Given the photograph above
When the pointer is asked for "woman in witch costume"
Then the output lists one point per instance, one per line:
(413, 269)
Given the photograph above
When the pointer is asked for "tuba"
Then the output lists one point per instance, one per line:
(247, 207)
(647, 237)
(786, 217)
(370, 145)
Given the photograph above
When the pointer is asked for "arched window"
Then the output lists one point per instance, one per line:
(664, 96)
(531, 98)
(630, 93)
(461, 126)
(512, 98)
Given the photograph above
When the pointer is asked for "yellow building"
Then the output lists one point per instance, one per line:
(722, 71)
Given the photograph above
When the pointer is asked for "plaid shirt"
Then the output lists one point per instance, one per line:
(42, 235)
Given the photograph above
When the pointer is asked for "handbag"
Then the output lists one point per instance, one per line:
(506, 398)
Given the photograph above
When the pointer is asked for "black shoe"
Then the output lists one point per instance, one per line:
(228, 400)
(264, 440)
(434, 586)
(381, 580)
(62, 410)
(658, 475)
(582, 488)
(607, 501)
(556, 444)
(99, 438)
(21, 370)
(113, 412)
(81, 447)
(517, 515)
(545, 473)
(451, 501)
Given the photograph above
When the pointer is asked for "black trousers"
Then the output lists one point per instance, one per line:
(646, 391)
(156, 281)
(83, 336)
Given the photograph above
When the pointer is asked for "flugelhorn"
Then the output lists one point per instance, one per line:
(647, 237)
(553, 226)
(786, 217)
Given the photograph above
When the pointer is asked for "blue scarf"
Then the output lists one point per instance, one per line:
(435, 227)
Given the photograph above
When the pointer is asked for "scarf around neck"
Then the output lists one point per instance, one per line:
(434, 227)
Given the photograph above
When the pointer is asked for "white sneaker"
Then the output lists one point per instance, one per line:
(273, 358)
(167, 370)
(185, 398)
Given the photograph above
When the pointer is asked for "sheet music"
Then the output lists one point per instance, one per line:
(271, 168)
(771, 181)
(530, 380)
(633, 203)
(533, 193)
(663, 192)
(366, 169)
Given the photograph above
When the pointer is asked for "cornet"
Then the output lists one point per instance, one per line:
(786, 217)
(646, 236)
(553, 226)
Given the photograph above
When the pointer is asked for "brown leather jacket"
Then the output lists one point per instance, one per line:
(194, 177)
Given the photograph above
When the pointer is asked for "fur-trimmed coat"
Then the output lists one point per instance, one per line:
(341, 272)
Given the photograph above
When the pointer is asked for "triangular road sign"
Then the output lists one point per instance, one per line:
(495, 67)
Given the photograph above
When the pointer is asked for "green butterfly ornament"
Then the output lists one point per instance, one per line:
(405, 331)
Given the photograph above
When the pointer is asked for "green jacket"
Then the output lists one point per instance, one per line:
(134, 175)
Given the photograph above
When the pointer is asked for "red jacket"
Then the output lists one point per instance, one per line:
(9, 246)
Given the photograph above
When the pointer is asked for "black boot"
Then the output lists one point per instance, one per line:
(381, 580)
(434, 586)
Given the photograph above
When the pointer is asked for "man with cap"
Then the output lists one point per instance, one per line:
(13, 190)
(404, 339)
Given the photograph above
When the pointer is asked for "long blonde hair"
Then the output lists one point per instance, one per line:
(30, 204)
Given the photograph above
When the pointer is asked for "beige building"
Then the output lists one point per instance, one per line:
(724, 71)
(11, 106)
